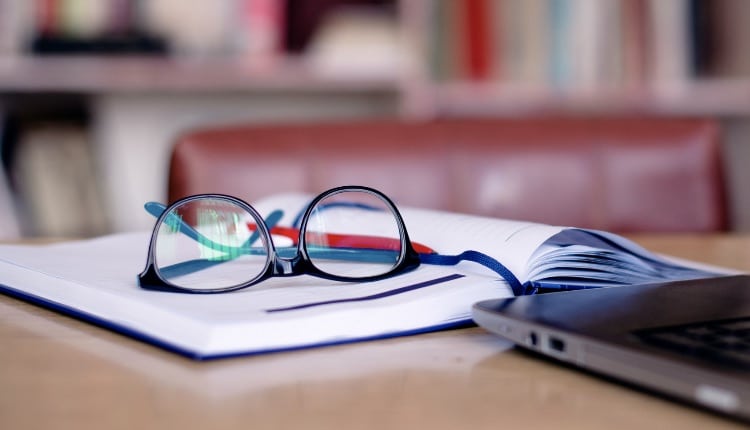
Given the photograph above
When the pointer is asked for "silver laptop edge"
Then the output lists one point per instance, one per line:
(640, 365)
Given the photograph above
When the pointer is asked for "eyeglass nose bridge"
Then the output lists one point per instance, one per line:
(294, 266)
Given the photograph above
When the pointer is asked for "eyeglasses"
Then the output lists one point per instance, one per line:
(217, 243)
(212, 243)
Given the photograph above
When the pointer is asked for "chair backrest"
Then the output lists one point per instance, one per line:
(624, 175)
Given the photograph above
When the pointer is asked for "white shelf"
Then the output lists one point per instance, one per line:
(421, 98)
(718, 97)
(154, 74)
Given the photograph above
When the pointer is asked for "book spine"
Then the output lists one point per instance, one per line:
(478, 44)
(437, 42)
(534, 42)
(55, 178)
(454, 21)
(635, 37)
(16, 25)
(731, 38)
(47, 17)
(121, 17)
(670, 47)
(261, 30)
(561, 67)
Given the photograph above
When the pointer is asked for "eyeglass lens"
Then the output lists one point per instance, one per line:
(353, 234)
(227, 252)
(350, 234)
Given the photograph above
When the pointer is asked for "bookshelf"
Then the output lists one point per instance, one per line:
(520, 57)
(453, 58)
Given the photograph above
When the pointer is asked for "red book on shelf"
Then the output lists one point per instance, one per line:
(46, 17)
(264, 26)
(635, 41)
(478, 44)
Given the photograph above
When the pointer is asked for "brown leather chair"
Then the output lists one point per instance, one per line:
(624, 175)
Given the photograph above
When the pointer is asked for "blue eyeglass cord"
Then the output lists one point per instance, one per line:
(483, 259)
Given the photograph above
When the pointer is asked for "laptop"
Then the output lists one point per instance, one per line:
(689, 340)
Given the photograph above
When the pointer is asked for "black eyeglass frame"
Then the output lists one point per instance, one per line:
(277, 266)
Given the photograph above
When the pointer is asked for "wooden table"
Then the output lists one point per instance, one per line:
(57, 372)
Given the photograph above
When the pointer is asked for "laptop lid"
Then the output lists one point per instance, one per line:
(686, 339)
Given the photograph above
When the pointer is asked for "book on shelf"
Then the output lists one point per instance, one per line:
(729, 38)
(16, 17)
(95, 279)
(55, 181)
(478, 39)
(357, 41)
(670, 51)
(9, 225)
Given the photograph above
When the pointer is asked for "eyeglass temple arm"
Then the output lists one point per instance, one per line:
(482, 259)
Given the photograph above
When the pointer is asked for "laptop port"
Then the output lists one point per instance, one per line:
(555, 344)
(531, 339)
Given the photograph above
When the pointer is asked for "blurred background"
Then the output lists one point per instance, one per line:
(94, 92)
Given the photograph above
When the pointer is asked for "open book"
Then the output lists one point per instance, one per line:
(96, 280)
